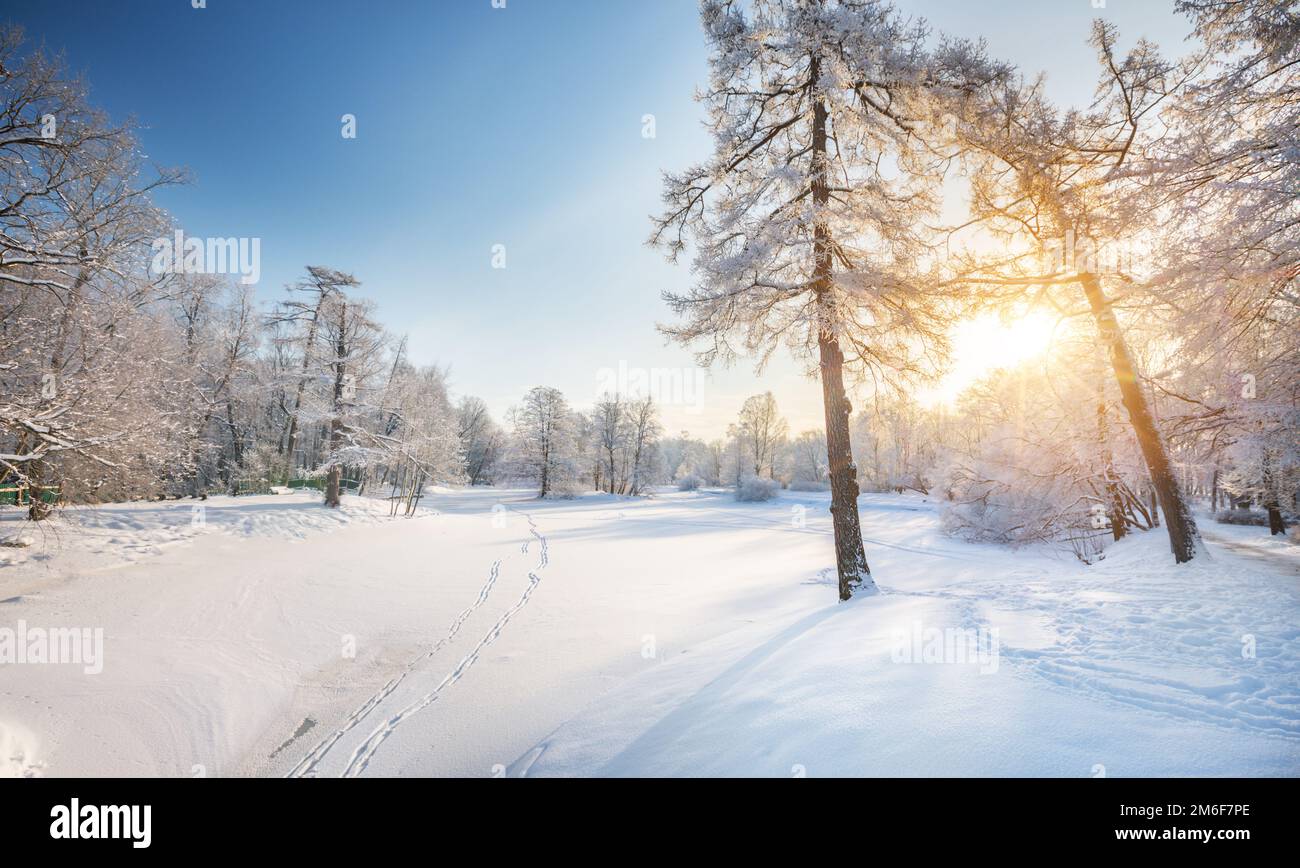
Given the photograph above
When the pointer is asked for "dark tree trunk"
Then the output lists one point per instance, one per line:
(291, 434)
(1269, 501)
(1118, 523)
(37, 508)
(333, 481)
(1275, 523)
(235, 463)
(546, 470)
(332, 485)
(850, 559)
(1115, 505)
(1183, 536)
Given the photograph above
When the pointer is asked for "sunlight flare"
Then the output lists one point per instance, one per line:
(985, 344)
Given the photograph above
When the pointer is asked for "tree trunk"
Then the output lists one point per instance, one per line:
(1183, 535)
(1275, 523)
(1115, 506)
(1118, 523)
(37, 508)
(291, 437)
(334, 480)
(850, 559)
(40, 471)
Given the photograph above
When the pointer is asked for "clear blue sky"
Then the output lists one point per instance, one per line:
(475, 127)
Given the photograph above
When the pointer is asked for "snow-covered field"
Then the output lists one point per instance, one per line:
(685, 634)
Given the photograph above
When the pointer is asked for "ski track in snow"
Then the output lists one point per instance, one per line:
(307, 766)
(362, 756)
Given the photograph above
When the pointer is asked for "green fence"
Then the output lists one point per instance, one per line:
(21, 495)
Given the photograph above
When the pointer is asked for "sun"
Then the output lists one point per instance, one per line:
(984, 344)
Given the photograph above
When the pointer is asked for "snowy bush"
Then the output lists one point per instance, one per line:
(809, 485)
(565, 489)
(755, 489)
(1242, 516)
(1014, 495)
(688, 483)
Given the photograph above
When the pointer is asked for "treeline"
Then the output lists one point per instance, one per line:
(122, 378)
(619, 447)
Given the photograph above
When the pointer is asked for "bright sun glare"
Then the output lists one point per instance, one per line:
(986, 343)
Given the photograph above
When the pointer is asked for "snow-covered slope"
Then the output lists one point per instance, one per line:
(686, 634)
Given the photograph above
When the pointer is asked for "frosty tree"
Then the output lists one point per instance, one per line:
(78, 407)
(806, 220)
(422, 439)
(480, 440)
(356, 342)
(545, 433)
(1074, 181)
(764, 430)
(305, 316)
(1231, 248)
(624, 434)
(808, 460)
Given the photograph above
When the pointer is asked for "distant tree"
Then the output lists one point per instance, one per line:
(644, 432)
(544, 435)
(303, 315)
(357, 344)
(764, 430)
(609, 423)
(808, 458)
(714, 461)
(626, 439)
(422, 444)
(480, 440)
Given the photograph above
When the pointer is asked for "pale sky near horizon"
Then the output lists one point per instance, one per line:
(477, 127)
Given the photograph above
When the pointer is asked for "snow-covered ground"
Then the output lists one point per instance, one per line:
(1254, 543)
(685, 634)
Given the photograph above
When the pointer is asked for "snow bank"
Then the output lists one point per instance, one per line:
(91, 538)
(17, 752)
